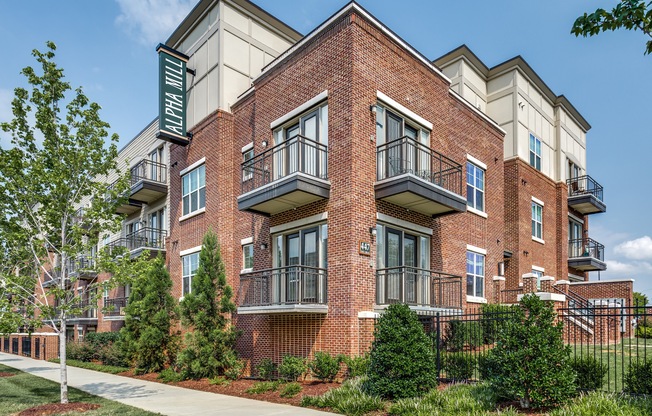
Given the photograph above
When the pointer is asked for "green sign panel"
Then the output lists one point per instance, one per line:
(172, 95)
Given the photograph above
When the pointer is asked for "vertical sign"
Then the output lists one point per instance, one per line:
(172, 95)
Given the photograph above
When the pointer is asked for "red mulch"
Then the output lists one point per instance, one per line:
(3, 374)
(57, 408)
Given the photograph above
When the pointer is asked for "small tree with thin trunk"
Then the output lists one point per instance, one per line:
(205, 311)
(58, 159)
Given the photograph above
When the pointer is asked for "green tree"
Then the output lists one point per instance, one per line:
(640, 301)
(530, 362)
(57, 160)
(146, 338)
(628, 14)
(402, 363)
(208, 345)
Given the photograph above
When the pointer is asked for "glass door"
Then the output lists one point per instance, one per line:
(310, 259)
(292, 271)
(309, 153)
(393, 264)
(410, 263)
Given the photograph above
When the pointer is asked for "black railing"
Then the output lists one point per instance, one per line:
(14, 345)
(146, 170)
(115, 306)
(407, 156)
(584, 185)
(283, 286)
(585, 247)
(296, 155)
(145, 238)
(418, 287)
(26, 347)
(5, 344)
(81, 264)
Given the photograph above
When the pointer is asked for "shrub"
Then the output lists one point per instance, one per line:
(263, 387)
(290, 390)
(219, 381)
(494, 318)
(169, 376)
(402, 363)
(350, 399)
(644, 322)
(459, 367)
(80, 351)
(461, 334)
(599, 403)
(113, 355)
(291, 368)
(324, 366)
(461, 399)
(644, 332)
(233, 366)
(356, 366)
(638, 379)
(266, 369)
(590, 373)
(530, 362)
(101, 339)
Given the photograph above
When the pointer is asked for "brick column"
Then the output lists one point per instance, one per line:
(499, 286)
(529, 283)
(546, 283)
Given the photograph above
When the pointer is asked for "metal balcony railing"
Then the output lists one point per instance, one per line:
(146, 170)
(584, 185)
(284, 285)
(145, 238)
(115, 306)
(418, 287)
(406, 155)
(296, 155)
(585, 247)
(81, 264)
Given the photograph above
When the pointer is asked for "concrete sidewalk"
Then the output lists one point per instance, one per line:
(155, 397)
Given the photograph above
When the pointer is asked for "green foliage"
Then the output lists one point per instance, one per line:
(456, 400)
(356, 366)
(209, 343)
(266, 369)
(599, 403)
(463, 334)
(325, 367)
(111, 369)
(350, 399)
(644, 322)
(80, 351)
(290, 390)
(101, 339)
(402, 363)
(590, 372)
(146, 337)
(494, 319)
(530, 362)
(628, 14)
(233, 366)
(263, 387)
(169, 375)
(291, 368)
(219, 381)
(640, 300)
(644, 332)
(112, 355)
(459, 366)
(638, 379)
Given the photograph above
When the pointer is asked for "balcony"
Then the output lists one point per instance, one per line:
(115, 308)
(151, 239)
(419, 288)
(87, 313)
(291, 174)
(413, 176)
(586, 255)
(585, 195)
(291, 289)
(148, 181)
(82, 268)
(129, 206)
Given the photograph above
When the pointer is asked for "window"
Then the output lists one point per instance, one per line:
(474, 186)
(248, 257)
(537, 220)
(574, 171)
(474, 274)
(248, 171)
(535, 152)
(538, 274)
(156, 172)
(190, 265)
(193, 190)
(575, 238)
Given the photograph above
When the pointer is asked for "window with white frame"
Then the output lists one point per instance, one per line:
(538, 274)
(248, 257)
(247, 155)
(537, 220)
(190, 264)
(535, 152)
(193, 190)
(475, 186)
(475, 274)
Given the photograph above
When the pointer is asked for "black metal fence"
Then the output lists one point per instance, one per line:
(26, 347)
(5, 344)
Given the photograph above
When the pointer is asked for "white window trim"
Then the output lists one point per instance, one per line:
(299, 110)
(245, 241)
(539, 269)
(476, 212)
(403, 224)
(476, 161)
(404, 110)
(299, 223)
(193, 166)
(574, 218)
(538, 201)
(189, 251)
(477, 250)
(242, 246)
(475, 299)
(192, 214)
(538, 240)
(247, 147)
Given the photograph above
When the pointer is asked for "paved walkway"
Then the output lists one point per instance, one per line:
(155, 397)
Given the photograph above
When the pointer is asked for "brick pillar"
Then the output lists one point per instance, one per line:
(529, 283)
(546, 283)
(499, 286)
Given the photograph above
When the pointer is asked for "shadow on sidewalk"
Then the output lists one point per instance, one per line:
(120, 391)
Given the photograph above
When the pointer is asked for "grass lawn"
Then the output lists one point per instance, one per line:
(23, 391)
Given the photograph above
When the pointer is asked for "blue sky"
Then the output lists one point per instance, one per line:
(108, 48)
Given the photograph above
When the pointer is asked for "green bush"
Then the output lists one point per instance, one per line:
(291, 368)
(644, 332)
(356, 366)
(494, 318)
(233, 367)
(457, 400)
(599, 403)
(101, 339)
(80, 351)
(169, 376)
(219, 381)
(263, 387)
(325, 367)
(644, 322)
(402, 362)
(112, 354)
(459, 366)
(638, 379)
(487, 367)
(461, 334)
(530, 362)
(290, 390)
(590, 373)
(93, 366)
(350, 399)
(266, 369)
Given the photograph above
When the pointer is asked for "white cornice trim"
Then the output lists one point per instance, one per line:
(538, 201)
(189, 251)
(475, 161)
(475, 249)
(248, 240)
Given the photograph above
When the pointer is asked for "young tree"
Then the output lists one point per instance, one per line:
(146, 338)
(628, 14)
(640, 301)
(208, 347)
(56, 162)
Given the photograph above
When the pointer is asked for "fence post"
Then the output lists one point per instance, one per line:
(438, 344)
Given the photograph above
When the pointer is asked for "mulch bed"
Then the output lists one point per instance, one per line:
(56, 408)
(4, 374)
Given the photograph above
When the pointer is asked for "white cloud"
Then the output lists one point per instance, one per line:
(5, 115)
(637, 249)
(152, 21)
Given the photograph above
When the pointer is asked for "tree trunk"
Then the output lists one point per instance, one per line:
(62, 361)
